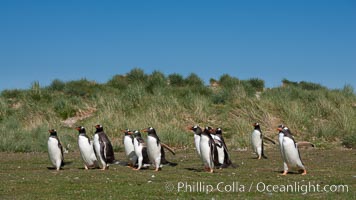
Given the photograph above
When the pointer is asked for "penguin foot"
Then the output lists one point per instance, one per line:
(304, 172)
(86, 167)
(285, 173)
(211, 170)
(136, 169)
(259, 158)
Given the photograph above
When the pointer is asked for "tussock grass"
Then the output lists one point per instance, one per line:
(170, 104)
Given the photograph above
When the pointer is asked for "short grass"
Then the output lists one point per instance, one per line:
(26, 176)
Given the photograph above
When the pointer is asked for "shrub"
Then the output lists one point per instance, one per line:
(349, 141)
(118, 81)
(176, 80)
(136, 75)
(194, 80)
(57, 85)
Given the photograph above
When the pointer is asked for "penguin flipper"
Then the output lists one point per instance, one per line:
(146, 159)
(269, 139)
(109, 152)
(305, 144)
(168, 148)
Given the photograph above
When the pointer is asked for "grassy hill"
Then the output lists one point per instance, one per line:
(170, 104)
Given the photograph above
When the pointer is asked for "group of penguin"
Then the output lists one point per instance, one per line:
(209, 143)
(288, 148)
(100, 149)
(211, 148)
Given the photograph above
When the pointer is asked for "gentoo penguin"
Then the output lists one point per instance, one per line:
(55, 150)
(140, 150)
(86, 149)
(222, 151)
(257, 141)
(154, 148)
(197, 132)
(291, 152)
(103, 148)
(129, 147)
(207, 149)
(280, 140)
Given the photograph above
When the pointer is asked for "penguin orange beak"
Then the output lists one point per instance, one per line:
(77, 128)
(279, 129)
(189, 128)
(144, 130)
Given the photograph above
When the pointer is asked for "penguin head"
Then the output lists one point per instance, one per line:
(52, 132)
(282, 127)
(256, 125)
(136, 133)
(99, 128)
(127, 131)
(149, 130)
(81, 129)
(196, 129)
(218, 131)
(208, 129)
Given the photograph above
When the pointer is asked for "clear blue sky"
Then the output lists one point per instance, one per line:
(312, 40)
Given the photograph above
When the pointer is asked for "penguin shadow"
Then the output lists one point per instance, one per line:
(280, 172)
(90, 168)
(53, 168)
(194, 169)
(62, 167)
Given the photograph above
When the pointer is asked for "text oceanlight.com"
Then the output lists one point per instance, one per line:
(230, 187)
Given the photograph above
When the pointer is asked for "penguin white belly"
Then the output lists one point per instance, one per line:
(280, 139)
(256, 142)
(291, 154)
(138, 151)
(130, 150)
(205, 151)
(154, 151)
(96, 143)
(197, 143)
(54, 153)
(87, 151)
(221, 152)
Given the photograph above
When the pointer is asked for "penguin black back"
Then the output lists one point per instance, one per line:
(107, 150)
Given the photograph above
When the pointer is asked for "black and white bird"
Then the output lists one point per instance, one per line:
(257, 141)
(55, 150)
(129, 147)
(223, 160)
(155, 151)
(103, 148)
(86, 149)
(197, 133)
(207, 147)
(290, 152)
(153, 147)
(140, 150)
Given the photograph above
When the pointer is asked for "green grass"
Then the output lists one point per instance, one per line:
(25, 176)
(170, 104)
